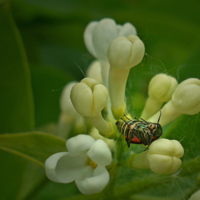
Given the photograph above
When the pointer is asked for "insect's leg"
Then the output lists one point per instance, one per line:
(146, 148)
(142, 137)
(144, 121)
(136, 118)
(127, 141)
(123, 120)
(127, 118)
(148, 138)
(130, 137)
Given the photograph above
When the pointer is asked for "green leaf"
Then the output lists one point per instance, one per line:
(48, 84)
(16, 102)
(36, 147)
(190, 167)
(22, 158)
(18, 176)
(186, 130)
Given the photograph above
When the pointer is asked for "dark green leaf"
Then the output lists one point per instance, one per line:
(16, 102)
(48, 84)
(36, 147)
(186, 130)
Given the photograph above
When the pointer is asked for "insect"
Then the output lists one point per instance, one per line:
(139, 131)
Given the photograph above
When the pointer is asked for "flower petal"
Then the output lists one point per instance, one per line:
(88, 37)
(79, 143)
(127, 29)
(94, 184)
(69, 167)
(50, 165)
(100, 153)
(63, 168)
(104, 33)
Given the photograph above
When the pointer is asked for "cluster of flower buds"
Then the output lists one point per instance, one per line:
(99, 35)
(117, 49)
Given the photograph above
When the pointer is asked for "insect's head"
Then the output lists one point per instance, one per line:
(158, 131)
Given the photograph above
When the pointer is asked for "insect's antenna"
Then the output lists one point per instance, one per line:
(80, 69)
(159, 117)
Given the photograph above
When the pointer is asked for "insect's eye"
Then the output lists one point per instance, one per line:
(158, 131)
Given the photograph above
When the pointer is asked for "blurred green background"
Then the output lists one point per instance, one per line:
(52, 33)
(41, 47)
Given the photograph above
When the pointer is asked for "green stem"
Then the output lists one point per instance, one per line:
(120, 149)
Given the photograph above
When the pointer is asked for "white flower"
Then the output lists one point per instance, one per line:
(163, 157)
(185, 100)
(84, 163)
(123, 54)
(99, 35)
(161, 88)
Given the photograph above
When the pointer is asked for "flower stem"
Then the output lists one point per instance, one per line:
(104, 127)
(105, 66)
(120, 149)
(117, 85)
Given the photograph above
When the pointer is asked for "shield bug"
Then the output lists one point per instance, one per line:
(139, 131)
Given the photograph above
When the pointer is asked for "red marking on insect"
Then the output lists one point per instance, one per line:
(135, 140)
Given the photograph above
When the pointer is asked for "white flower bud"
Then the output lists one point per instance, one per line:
(164, 156)
(126, 52)
(123, 53)
(99, 35)
(161, 88)
(89, 98)
(195, 196)
(185, 100)
(94, 71)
